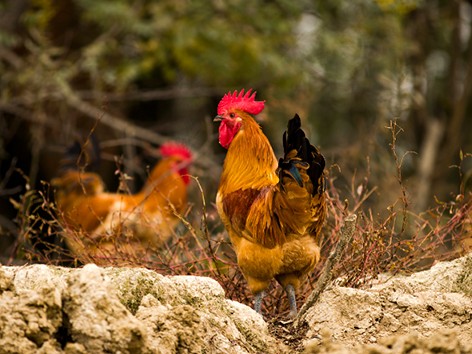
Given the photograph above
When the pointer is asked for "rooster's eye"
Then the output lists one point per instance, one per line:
(232, 115)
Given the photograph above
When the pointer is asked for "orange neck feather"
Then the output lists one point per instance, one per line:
(164, 184)
(250, 161)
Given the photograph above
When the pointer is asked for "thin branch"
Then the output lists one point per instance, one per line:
(204, 226)
(396, 130)
(11, 57)
(129, 129)
(152, 95)
(347, 232)
(23, 113)
(114, 122)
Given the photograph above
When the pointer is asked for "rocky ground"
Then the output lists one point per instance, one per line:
(46, 309)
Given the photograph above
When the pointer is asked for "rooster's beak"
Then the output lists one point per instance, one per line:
(218, 119)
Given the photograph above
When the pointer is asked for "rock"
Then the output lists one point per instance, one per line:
(29, 319)
(435, 304)
(442, 342)
(95, 317)
(46, 309)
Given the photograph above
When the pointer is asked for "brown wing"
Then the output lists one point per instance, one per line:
(271, 216)
(292, 208)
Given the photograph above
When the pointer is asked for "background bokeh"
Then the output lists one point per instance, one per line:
(365, 76)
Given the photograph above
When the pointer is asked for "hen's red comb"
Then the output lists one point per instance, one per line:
(173, 148)
(245, 102)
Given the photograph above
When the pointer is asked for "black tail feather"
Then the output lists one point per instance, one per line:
(295, 139)
(79, 156)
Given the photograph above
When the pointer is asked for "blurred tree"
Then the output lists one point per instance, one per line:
(139, 61)
(409, 61)
(84, 55)
(148, 71)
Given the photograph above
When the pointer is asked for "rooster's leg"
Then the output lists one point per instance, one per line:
(258, 301)
(290, 290)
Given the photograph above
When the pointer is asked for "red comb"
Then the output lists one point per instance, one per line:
(245, 102)
(173, 148)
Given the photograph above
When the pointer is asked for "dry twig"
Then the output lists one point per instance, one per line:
(347, 232)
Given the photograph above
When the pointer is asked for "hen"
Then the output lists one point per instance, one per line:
(273, 210)
(99, 225)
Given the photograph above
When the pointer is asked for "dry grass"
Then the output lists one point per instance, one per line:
(396, 241)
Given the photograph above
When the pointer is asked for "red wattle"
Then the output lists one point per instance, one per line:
(227, 132)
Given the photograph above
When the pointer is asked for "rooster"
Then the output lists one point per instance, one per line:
(96, 222)
(273, 210)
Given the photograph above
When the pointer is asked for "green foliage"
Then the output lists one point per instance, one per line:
(356, 49)
(399, 7)
(40, 14)
(212, 42)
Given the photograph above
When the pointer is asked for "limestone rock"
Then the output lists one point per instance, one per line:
(45, 309)
(428, 304)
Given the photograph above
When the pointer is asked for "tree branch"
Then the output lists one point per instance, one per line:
(152, 95)
(112, 121)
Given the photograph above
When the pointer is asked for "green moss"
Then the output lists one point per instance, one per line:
(251, 337)
(463, 282)
(133, 286)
